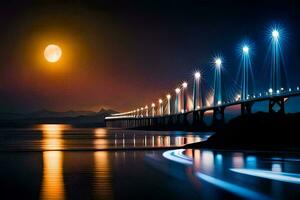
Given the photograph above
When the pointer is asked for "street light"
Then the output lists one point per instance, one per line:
(153, 109)
(238, 97)
(218, 62)
(245, 49)
(184, 85)
(270, 90)
(160, 101)
(196, 91)
(169, 104)
(142, 112)
(197, 75)
(275, 34)
(177, 90)
(147, 113)
(217, 82)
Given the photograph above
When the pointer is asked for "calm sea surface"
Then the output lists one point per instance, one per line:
(61, 162)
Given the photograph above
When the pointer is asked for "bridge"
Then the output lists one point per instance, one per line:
(166, 116)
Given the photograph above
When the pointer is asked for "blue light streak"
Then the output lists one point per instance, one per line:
(178, 156)
(278, 176)
(286, 159)
(233, 188)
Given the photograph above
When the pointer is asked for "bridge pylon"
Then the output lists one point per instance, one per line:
(218, 115)
(246, 108)
(279, 101)
(198, 117)
(185, 120)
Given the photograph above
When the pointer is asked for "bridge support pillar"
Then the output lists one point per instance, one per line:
(154, 122)
(277, 102)
(170, 121)
(163, 120)
(185, 121)
(196, 117)
(177, 119)
(246, 108)
(218, 116)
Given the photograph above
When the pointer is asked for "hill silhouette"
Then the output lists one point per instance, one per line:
(257, 131)
(75, 118)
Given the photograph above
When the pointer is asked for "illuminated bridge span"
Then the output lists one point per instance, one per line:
(176, 112)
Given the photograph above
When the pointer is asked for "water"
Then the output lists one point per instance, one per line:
(60, 162)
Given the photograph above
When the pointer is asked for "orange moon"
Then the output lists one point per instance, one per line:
(52, 53)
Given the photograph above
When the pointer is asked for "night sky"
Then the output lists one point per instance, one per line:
(123, 55)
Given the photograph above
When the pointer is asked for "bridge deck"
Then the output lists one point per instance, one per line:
(204, 109)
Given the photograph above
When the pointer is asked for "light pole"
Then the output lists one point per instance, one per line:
(196, 90)
(168, 104)
(245, 72)
(153, 109)
(177, 91)
(161, 109)
(217, 82)
(275, 70)
(184, 94)
(146, 111)
(142, 112)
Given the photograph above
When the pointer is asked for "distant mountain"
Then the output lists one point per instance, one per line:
(77, 118)
(47, 113)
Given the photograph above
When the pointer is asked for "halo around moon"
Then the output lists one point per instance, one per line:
(52, 53)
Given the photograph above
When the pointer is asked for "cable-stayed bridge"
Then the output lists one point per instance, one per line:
(176, 112)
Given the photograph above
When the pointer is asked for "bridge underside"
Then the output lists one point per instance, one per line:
(193, 119)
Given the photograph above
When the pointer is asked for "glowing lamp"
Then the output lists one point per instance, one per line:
(153, 105)
(184, 84)
(275, 34)
(245, 49)
(218, 62)
(177, 90)
(160, 101)
(270, 90)
(197, 75)
(168, 96)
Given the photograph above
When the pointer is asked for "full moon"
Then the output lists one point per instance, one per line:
(52, 53)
